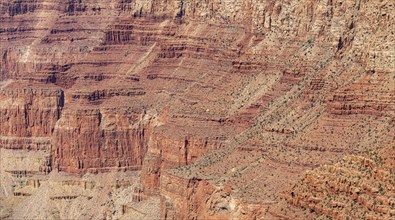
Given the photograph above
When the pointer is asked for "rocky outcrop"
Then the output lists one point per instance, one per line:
(28, 143)
(356, 187)
(190, 199)
(21, 7)
(92, 140)
(244, 96)
(168, 149)
(28, 115)
(365, 97)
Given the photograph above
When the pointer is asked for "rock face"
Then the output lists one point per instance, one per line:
(166, 151)
(356, 187)
(218, 108)
(92, 139)
(28, 115)
(29, 111)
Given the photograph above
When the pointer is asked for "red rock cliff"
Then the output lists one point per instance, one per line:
(276, 87)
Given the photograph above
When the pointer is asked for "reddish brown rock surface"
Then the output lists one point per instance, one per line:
(218, 107)
(356, 187)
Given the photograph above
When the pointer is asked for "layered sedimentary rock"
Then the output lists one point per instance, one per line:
(168, 149)
(180, 194)
(356, 187)
(28, 115)
(30, 111)
(240, 97)
(89, 139)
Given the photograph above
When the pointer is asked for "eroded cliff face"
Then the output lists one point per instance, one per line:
(240, 97)
(29, 114)
(94, 139)
(196, 195)
(167, 150)
(356, 187)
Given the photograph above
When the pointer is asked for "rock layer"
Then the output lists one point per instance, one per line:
(219, 105)
(92, 139)
(356, 187)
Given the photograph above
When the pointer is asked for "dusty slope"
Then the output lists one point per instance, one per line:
(145, 86)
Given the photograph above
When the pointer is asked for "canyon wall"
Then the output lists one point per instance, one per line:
(29, 114)
(220, 107)
(356, 187)
(91, 139)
